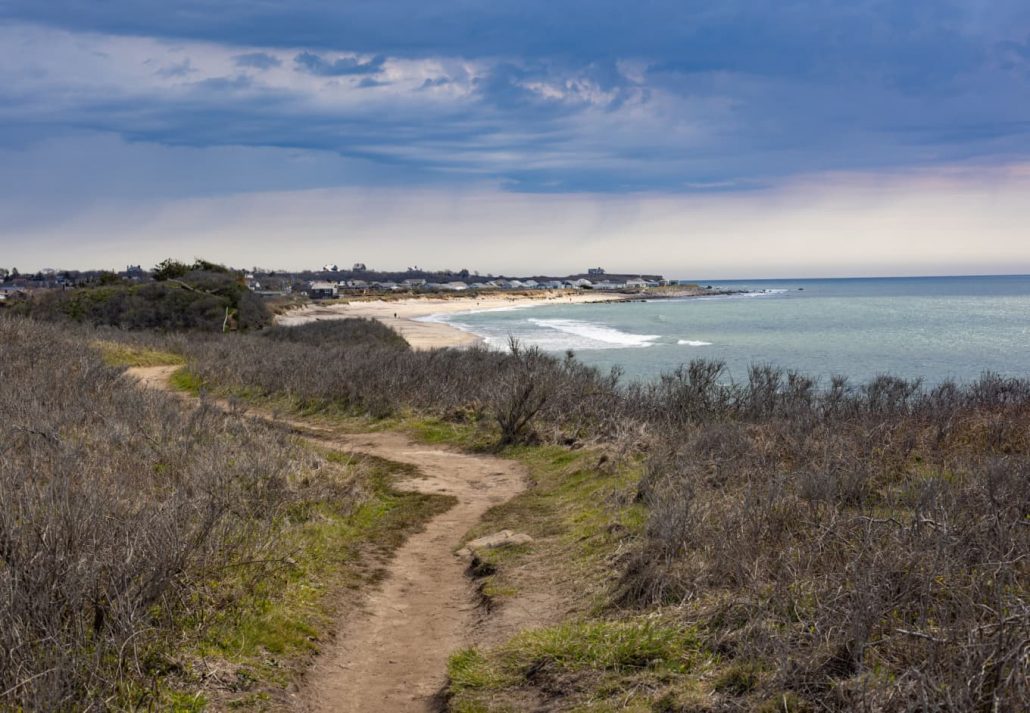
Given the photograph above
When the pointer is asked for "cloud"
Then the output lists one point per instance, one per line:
(532, 95)
(826, 224)
(257, 60)
(369, 82)
(343, 66)
(178, 69)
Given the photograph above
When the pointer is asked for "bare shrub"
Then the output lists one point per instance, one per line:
(874, 540)
(521, 391)
(865, 542)
(116, 509)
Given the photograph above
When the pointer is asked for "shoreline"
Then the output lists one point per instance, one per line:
(406, 315)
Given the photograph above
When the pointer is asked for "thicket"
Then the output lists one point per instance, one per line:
(863, 548)
(365, 367)
(338, 332)
(118, 509)
(856, 546)
(206, 300)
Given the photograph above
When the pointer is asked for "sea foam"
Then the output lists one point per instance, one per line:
(693, 343)
(607, 337)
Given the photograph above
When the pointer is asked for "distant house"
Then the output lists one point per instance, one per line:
(516, 284)
(322, 290)
(359, 267)
(453, 286)
(530, 283)
(414, 282)
(553, 285)
(330, 268)
(582, 283)
(595, 271)
(636, 283)
(9, 292)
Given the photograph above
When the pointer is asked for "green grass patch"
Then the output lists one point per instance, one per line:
(264, 624)
(185, 380)
(124, 355)
(601, 645)
(586, 509)
(464, 433)
(597, 660)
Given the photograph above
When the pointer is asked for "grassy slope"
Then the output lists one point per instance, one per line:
(259, 629)
(581, 510)
(263, 633)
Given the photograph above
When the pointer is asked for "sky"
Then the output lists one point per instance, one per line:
(723, 139)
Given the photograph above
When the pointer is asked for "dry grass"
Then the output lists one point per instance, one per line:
(838, 547)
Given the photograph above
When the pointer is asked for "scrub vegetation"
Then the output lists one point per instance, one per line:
(830, 547)
(774, 545)
(201, 296)
(153, 556)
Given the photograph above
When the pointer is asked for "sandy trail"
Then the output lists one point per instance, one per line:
(391, 655)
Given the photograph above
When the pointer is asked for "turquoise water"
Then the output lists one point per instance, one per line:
(936, 328)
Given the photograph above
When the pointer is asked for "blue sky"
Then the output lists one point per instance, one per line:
(146, 108)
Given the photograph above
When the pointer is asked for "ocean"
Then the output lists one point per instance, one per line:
(936, 328)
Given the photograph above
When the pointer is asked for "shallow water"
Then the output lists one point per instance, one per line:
(936, 328)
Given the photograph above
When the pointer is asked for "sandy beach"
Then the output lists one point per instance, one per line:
(402, 314)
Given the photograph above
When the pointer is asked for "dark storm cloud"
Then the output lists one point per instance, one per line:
(598, 95)
(314, 64)
(257, 60)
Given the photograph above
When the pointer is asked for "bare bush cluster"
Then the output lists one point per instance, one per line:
(867, 546)
(353, 364)
(116, 507)
(863, 546)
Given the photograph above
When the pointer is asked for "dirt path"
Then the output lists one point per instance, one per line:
(391, 656)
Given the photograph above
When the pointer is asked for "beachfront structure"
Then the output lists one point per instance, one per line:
(331, 267)
(637, 283)
(322, 290)
(595, 271)
(582, 282)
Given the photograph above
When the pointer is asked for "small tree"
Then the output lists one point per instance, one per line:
(522, 391)
(170, 269)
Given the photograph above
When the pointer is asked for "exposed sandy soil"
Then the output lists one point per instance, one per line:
(394, 655)
(391, 655)
(401, 314)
